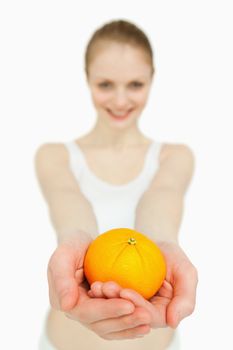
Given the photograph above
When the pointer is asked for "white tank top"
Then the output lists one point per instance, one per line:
(114, 205)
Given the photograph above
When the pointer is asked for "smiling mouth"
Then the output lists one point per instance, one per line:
(119, 116)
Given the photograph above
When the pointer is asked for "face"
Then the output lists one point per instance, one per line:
(119, 79)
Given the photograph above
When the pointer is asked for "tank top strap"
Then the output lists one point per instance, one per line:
(79, 166)
(76, 160)
(153, 155)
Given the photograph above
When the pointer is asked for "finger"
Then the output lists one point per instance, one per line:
(96, 289)
(165, 291)
(183, 302)
(79, 276)
(137, 332)
(98, 309)
(139, 317)
(63, 289)
(133, 296)
(108, 289)
(157, 313)
(90, 294)
(111, 289)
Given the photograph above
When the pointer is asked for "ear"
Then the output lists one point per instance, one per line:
(87, 78)
(153, 73)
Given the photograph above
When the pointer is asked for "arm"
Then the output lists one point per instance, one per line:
(75, 225)
(159, 211)
(70, 212)
(72, 218)
(159, 215)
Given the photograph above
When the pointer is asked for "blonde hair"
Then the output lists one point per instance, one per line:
(119, 31)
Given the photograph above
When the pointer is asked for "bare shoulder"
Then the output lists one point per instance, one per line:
(51, 162)
(176, 169)
(177, 153)
(50, 153)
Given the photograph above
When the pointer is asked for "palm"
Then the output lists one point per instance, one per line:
(65, 275)
(84, 300)
(164, 304)
(161, 300)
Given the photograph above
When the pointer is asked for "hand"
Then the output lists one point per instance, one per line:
(68, 291)
(180, 285)
(176, 297)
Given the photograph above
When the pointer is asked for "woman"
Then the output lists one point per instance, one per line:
(115, 176)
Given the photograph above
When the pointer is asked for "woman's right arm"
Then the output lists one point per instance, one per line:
(70, 212)
(73, 220)
(75, 224)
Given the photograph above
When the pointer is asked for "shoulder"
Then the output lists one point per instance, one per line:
(50, 152)
(50, 157)
(181, 154)
(176, 168)
(53, 170)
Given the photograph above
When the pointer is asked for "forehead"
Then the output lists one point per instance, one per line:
(114, 61)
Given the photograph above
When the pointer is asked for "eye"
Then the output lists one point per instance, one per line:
(136, 84)
(105, 85)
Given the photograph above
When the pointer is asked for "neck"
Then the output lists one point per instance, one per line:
(103, 135)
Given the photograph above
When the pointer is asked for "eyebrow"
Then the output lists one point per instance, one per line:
(107, 79)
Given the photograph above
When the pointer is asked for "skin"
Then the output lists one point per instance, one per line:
(119, 87)
(120, 79)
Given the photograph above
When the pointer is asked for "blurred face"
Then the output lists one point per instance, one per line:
(119, 77)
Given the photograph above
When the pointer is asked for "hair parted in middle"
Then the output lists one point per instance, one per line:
(118, 31)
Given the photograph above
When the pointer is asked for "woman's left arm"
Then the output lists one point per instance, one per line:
(159, 215)
(159, 211)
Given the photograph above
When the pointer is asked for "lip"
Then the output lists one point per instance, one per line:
(117, 117)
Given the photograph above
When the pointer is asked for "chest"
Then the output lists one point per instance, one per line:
(118, 167)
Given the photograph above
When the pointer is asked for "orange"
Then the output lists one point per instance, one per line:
(127, 257)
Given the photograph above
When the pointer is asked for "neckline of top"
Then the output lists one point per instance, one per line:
(106, 184)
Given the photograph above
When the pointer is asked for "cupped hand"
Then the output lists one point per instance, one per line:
(175, 299)
(182, 278)
(65, 271)
(110, 318)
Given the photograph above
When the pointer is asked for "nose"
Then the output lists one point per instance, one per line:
(120, 99)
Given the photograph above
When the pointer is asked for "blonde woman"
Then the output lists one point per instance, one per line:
(115, 176)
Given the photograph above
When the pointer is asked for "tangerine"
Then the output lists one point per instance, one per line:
(127, 257)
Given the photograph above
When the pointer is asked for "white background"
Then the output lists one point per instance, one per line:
(44, 98)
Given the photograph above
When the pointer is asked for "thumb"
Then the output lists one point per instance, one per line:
(184, 297)
(63, 288)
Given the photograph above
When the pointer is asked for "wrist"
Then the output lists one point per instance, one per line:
(74, 237)
(167, 240)
(167, 244)
(167, 234)
(161, 241)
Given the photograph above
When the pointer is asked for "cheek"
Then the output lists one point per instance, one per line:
(100, 98)
(140, 98)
